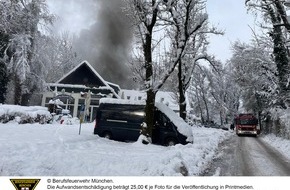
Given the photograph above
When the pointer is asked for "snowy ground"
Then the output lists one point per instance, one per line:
(58, 150)
(282, 145)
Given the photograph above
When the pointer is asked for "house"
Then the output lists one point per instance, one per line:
(80, 90)
(167, 98)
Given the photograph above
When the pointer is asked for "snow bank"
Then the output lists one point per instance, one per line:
(284, 117)
(283, 145)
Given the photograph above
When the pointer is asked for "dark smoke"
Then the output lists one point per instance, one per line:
(105, 44)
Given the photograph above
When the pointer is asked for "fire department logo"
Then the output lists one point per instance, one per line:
(24, 184)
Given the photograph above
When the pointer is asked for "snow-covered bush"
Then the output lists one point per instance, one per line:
(24, 114)
(280, 122)
(65, 119)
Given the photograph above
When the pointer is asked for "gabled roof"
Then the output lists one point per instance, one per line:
(85, 74)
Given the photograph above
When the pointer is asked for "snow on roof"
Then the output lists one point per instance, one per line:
(167, 98)
(67, 85)
(57, 102)
(120, 101)
(132, 94)
(113, 84)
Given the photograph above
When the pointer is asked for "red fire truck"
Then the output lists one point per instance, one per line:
(246, 124)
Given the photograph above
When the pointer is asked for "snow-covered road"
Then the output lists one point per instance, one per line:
(249, 156)
(258, 158)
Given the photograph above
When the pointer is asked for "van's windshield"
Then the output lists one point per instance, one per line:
(246, 121)
(181, 125)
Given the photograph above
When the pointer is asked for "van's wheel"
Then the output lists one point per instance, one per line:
(107, 135)
(171, 142)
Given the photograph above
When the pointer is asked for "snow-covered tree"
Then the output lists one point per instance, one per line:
(3, 68)
(21, 21)
(3, 80)
(224, 92)
(57, 54)
(8, 11)
(151, 16)
(254, 70)
(274, 15)
(255, 73)
(213, 94)
(189, 22)
(199, 94)
(145, 14)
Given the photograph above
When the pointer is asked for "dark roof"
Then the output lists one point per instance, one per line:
(83, 74)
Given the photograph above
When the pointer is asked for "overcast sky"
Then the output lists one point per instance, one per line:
(73, 14)
(228, 15)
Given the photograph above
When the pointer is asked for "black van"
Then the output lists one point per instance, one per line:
(121, 120)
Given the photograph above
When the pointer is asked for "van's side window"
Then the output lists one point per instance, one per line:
(110, 114)
(132, 116)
